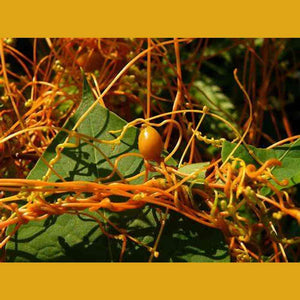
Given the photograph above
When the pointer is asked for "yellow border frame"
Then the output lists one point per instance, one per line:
(149, 281)
(154, 18)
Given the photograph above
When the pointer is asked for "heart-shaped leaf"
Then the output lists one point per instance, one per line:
(74, 238)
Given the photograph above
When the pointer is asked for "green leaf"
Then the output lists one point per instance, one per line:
(200, 168)
(208, 93)
(74, 238)
(288, 154)
(191, 242)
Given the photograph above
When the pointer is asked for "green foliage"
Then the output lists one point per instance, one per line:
(288, 154)
(206, 92)
(209, 94)
(79, 238)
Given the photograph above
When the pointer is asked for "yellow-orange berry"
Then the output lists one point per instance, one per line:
(150, 143)
(90, 62)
